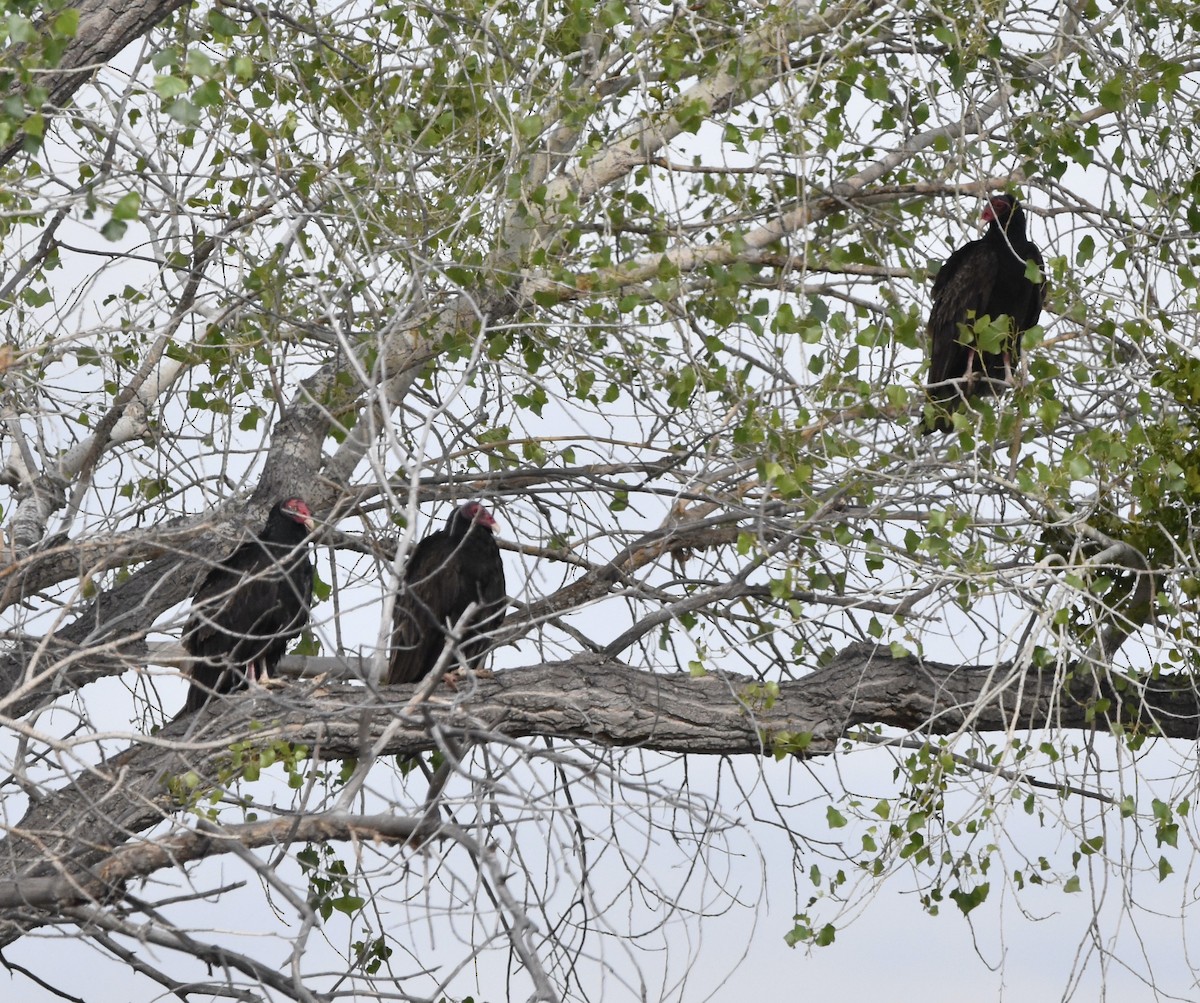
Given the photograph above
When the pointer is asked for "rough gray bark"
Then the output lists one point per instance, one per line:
(206, 840)
(68, 843)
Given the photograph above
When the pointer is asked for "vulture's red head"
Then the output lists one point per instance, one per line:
(295, 509)
(473, 513)
(999, 209)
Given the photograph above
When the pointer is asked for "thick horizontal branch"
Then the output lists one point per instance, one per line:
(144, 858)
(70, 834)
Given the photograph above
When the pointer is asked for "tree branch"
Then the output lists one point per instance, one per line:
(68, 835)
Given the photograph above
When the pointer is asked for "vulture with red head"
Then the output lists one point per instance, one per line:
(987, 278)
(250, 605)
(447, 572)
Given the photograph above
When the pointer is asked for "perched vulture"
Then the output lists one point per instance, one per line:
(250, 605)
(985, 278)
(448, 570)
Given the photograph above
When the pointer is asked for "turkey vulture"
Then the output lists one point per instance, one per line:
(985, 278)
(448, 570)
(250, 605)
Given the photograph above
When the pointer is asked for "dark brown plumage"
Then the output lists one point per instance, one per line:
(250, 605)
(448, 570)
(985, 278)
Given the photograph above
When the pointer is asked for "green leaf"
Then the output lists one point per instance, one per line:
(66, 24)
(127, 206)
(258, 139)
(966, 901)
(834, 818)
(184, 112)
(21, 29)
(219, 24)
(531, 126)
(243, 68)
(1079, 467)
(682, 388)
(1111, 94)
(348, 904)
(251, 418)
(169, 87)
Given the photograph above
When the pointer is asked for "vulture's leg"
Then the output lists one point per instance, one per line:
(970, 377)
(265, 680)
